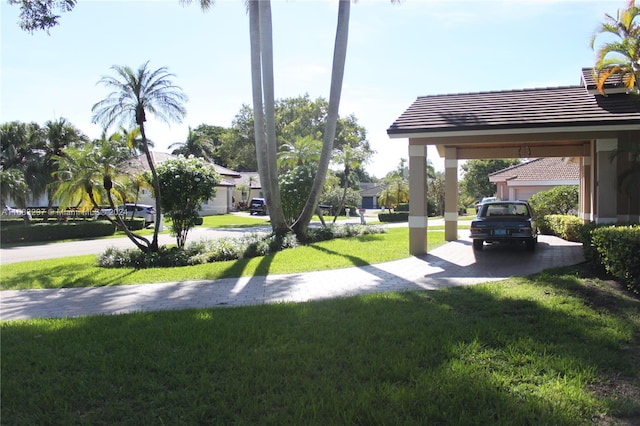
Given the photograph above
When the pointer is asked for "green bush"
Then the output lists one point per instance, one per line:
(558, 200)
(221, 249)
(325, 233)
(134, 224)
(56, 231)
(393, 217)
(567, 227)
(402, 207)
(617, 249)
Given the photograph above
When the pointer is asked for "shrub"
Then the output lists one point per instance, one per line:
(185, 183)
(617, 249)
(56, 231)
(567, 227)
(402, 207)
(134, 224)
(393, 217)
(214, 250)
(325, 233)
(558, 200)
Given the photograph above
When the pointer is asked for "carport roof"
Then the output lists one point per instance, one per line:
(552, 108)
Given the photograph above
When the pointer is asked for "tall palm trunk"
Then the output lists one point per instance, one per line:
(264, 113)
(153, 247)
(337, 75)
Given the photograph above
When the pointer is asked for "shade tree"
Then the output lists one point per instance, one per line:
(186, 183)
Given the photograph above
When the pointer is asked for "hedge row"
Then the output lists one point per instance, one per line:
(220, 249)
(610, 248)
(616, 249)
(564, 226)
(393, 217)
(56, 231)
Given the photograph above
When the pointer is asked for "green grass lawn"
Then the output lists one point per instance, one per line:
(558, 348)
(82, 271)
(234, 221)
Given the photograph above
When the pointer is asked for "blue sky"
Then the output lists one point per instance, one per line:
(396, 53)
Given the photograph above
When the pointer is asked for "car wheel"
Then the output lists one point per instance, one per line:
(531, 244)
(478, 244)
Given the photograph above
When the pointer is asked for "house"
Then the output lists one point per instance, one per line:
(222, 201)
(370, 194)
(521, 181)
(247, 186)
(597, 130)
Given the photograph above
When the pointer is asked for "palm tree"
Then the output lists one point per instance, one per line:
(60, 134)
(196, 144)
(136, 93)
(350, 158)
(337, 74)
(396, 192)
(21, 162)
(621, 56)
(134, 140)
(303, 150)
(93, 174)
(263, 95)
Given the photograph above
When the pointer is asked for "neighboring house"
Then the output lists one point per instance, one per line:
(370, 195)
(521, 181)
(247, 186)
(221, 203)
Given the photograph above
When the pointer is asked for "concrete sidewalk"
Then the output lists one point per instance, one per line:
(453, 264)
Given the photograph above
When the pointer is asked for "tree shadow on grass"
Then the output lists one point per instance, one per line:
(76, 275)
(472, 355)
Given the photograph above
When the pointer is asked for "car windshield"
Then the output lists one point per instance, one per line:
(505, 209)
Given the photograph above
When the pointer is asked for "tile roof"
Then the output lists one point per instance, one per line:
(139, 164)
(569, 107)
(613, 84)
(539, 169)
(251, 179)
(373, 191)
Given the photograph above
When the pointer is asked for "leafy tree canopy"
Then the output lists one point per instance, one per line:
(185, 183)
(41, 14)
(296, 119)
(475, 182)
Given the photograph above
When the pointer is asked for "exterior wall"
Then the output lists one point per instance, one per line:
(628, 207)
(221, 203)
(605, 184)
(525, 190)
(249, 194)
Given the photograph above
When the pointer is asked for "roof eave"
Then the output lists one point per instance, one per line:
(438, 133)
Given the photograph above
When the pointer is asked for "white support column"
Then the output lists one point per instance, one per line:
(606, 186)
(417, 199)
(585, 195)
(451, 194)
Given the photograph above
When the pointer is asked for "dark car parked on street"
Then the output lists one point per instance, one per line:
(258, 206)
(505, 221)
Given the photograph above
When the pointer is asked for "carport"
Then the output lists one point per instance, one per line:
(573, 122)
